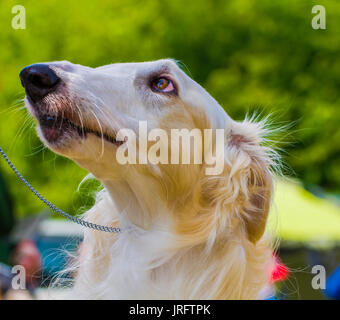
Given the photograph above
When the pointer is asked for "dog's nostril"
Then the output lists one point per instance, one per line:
(38, 80)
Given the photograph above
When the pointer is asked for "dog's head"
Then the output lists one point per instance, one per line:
(94, 116)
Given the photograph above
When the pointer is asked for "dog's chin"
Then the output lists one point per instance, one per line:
(56, 140)
(58, 134)
(55, 130)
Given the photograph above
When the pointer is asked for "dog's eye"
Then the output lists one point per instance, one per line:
(163, 85)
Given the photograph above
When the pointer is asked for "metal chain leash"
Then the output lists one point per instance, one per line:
(54, 208)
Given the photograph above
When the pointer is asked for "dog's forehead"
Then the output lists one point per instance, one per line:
(164, 65)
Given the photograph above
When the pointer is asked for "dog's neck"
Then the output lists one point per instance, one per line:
(137, 201)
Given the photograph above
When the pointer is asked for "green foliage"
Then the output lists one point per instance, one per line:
(248, 54)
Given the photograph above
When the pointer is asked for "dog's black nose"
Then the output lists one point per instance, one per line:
(38, 80)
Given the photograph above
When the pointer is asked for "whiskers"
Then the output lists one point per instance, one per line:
(101, 132)
(16, 106)
(101, 114)
(80, 116)
(26, 123)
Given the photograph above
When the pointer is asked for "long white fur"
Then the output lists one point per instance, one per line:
(154, 257)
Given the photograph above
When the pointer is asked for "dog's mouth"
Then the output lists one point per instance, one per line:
(54, 128)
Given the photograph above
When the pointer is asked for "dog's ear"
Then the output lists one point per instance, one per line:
(237, 200)
(257, 205)
(250, 174)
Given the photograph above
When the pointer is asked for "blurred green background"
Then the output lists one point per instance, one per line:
(251, 55)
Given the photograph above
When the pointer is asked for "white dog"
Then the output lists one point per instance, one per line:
(185, 234)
